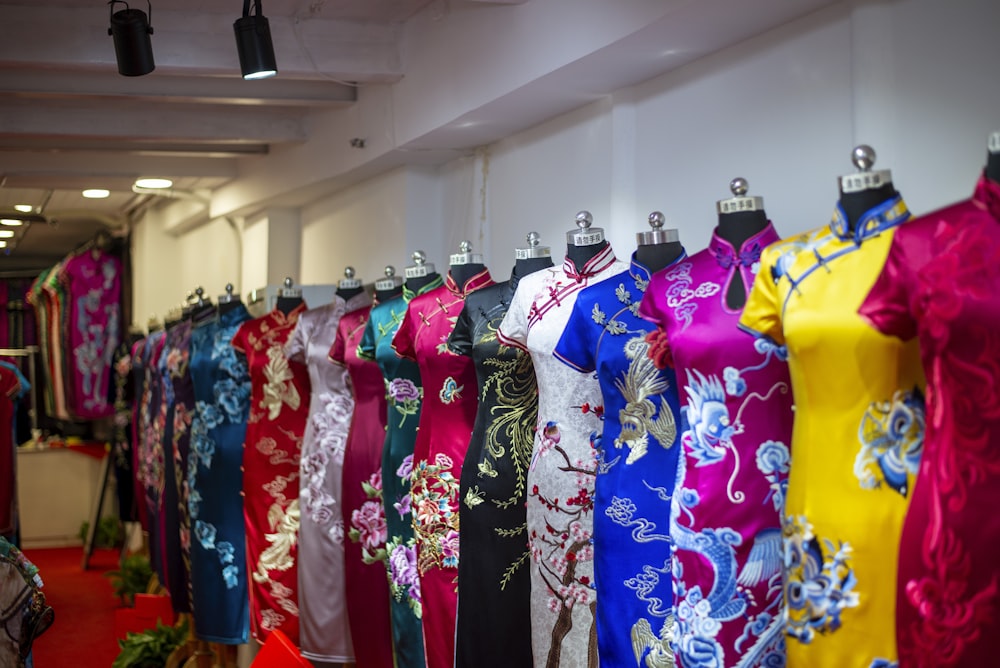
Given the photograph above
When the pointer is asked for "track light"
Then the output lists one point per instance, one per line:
(253, 42)
(133, 48)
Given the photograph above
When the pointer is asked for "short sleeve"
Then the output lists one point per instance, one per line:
(239, 341)
(887, 306)
(576, 343)
(366, 349)
(460, 339)
(762, 312)
(648, 308)
(513, 330)
(298, 342)
(403, 341)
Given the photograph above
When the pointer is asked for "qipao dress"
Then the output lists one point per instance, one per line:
(941, 285)
(10, 388)
(560, 482)
(324, 630)
(732, 474)
(279, 390)
(152, 456)
(139, 416)
(446, 419)
(405, 396)
(494, 588)
(215, 477)
(636, 467)
(857, 438)
(367, 589)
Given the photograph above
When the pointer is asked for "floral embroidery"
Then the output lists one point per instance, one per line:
(819, 582)
(659, 349)
(368, 525)
(284, 529)
(773, 461)
(434, 500)
(405, 397)
(892, 441)
(403, 579)
(278, 388)
(450, 390)
(330, 424)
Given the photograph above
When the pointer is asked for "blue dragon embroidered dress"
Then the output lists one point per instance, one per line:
(560, 482)
(215, 477)
(856, 441)
(405, 395)
(732, 474)
(636, 468)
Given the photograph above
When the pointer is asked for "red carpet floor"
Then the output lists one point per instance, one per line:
(83, 634)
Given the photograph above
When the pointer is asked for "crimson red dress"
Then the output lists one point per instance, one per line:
(279, 407)
(446, 420)
(361, 500)
(941, 284)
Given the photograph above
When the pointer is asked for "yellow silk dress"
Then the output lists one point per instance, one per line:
(856, 441)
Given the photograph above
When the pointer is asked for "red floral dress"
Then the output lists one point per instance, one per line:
(446, 421)
(941, 284)
(279, 407)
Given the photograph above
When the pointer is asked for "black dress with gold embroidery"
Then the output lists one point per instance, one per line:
(494, 587)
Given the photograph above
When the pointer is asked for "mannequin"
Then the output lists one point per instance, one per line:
(740, 218)
(288, 297)
(533, 258)
(389, 287)
(349, 287)
(657, 247)
(202, 307)
(420, 273)
(228, 301)
(861, 192)
(465, 264)
(585, 242)
(993, 158)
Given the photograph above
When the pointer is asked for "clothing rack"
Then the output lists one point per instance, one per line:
(29, 352)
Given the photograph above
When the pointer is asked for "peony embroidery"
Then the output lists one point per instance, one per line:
(278, 388)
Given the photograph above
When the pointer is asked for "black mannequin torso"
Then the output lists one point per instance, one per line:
(203, 313)
(657, 256)
(382, 296)
(461, 273)
(993, 167)
(527, 265)
(580, 255)
(736, 228)
(226, 307)
(348, 294)
(856, 204)
(288, 304)
(415, 284)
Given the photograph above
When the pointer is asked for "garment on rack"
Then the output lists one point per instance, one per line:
(324, 631)
(733, 470)
(25, 613)
(941, 284)
(494, 588)
(637, 453)
(367, 589)
(277, 421)
(138, 433)
(10, 389)
(122, 439)
(405, 395)
(561, 475)
(856, 441)
(152, 462)
(219, 593)
(446, 420)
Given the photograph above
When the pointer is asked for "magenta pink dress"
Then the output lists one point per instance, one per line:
(941, 283)
(726, 509)
(446, 420)
(279, 408)
(361, 503)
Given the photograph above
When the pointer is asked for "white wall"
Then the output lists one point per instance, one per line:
(916, 79)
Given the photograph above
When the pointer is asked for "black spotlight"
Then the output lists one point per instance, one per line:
(253, 42)
(133, 48)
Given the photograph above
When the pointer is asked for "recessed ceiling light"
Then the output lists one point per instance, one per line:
(24, 208)
(3, 244)
(11, 222)
(96, 193)
(154, 183)
(6, 234)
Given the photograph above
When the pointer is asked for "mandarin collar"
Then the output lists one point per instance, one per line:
(480, 280)
(409, 294)
(641, 274)
(987, 195)
(292, 315)
(598, 263)
(725, 254)
(873, 222)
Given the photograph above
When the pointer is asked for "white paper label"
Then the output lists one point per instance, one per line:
(530, 253)
(458, 258)
(584, 239)
(385, 284)
(863, 181)
(737, 204)
(418, 271)
(349, 283)
(995, 142)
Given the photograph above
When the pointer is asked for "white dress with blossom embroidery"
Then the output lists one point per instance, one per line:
(325, 634)
(560, 481)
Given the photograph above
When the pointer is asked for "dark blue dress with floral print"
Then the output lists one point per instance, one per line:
(218, 541)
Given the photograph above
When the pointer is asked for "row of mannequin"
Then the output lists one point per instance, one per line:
(596, 464)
